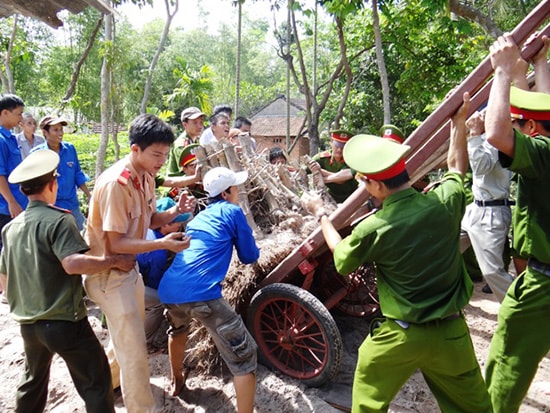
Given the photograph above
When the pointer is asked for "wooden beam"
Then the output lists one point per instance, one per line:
(431, 134)
(429, 143)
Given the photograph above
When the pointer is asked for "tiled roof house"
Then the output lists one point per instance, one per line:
(269, 126)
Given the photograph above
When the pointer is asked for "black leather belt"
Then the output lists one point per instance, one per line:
(539, 266)
(495, 202)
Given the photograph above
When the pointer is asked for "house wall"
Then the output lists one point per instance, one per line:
(265, 143)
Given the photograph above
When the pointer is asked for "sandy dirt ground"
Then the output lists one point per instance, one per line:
(275, 392)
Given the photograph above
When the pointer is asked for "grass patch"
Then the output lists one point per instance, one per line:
(86, 146)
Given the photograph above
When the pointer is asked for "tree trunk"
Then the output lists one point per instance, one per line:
(238, 64)
(289, 62)
(105, 88)
(471, 13)
(315, 99)
(169, 17)
(381, 63)
(78, 66)
(347, 71)
(7, 76)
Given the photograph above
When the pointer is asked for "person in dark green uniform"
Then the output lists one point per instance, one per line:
(190, 178)
(340, 186)
(192, 120)
(522, 337)
(389, 131)
(392, 132)
(42, 256)
(422, 282)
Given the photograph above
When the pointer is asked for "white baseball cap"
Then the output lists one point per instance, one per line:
(219, 179)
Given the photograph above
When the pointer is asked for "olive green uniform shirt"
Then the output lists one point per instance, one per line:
(174, 158)
(414, 242)
(35, 243)
(340, 192)
(531, 216)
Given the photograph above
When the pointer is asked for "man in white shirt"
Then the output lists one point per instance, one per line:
(487, 220)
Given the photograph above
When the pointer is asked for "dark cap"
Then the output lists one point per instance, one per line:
(191, 113)
(35, 169)
(392, 132)
(50, 120)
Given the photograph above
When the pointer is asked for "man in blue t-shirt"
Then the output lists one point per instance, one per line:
(12, 200)
(192, 287)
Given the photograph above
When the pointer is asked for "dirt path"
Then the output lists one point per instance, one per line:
(275, 392)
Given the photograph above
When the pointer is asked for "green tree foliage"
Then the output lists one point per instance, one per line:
(427, 53)
(428, 50)
(57, 66)
(193, 88)
(31, 39)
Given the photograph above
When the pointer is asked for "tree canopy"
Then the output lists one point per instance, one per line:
(428, 47)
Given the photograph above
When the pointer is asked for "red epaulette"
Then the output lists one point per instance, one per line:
(124, 176)
(59, 209)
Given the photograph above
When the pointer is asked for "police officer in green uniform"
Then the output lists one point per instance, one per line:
(522, 337)
(332, 161)
(192, 120)
(392, 132)
(192, 168)
(42, 256)
(422, 282)
(190, 178)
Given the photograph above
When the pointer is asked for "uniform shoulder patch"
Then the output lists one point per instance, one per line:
(124, 176)
(58, 208)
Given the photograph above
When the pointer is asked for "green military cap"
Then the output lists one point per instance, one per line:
(392, 132)
(188, 154)
(36, 169)
(340, 135)
(375, 157)
(529, 105)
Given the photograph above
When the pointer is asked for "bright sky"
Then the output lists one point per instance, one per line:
(192, 13)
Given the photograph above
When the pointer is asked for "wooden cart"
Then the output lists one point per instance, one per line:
(289, 315)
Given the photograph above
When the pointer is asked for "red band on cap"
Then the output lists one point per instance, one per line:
(388, 173)
(393, 136)
(340, 138)
(518, 113)
(188, 159)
